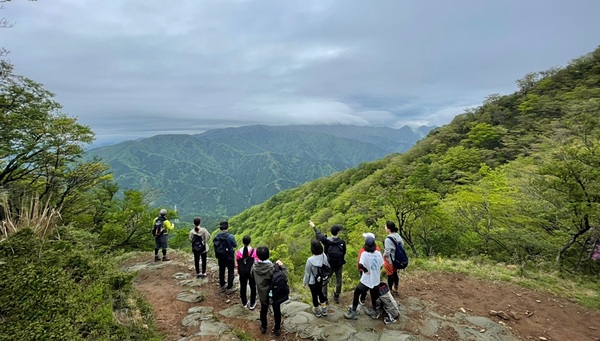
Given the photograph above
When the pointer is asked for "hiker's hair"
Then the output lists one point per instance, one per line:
(197, 222)
(370, 248)
(262, 252)
(335, 229)
(315, 247)
(391, 226)
(246, 240)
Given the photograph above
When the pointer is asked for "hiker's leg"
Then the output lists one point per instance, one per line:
(230, 273)
(164, 244)
(390, 280)
(156, 245)
(360, 289)
(277, 315)
(315, 292)
(243, 283)
(374, 296)
(197, 262)
(204, 262)
(221, 273)
(252, 291)
(338, 280)
(324, 290)
(264, 308)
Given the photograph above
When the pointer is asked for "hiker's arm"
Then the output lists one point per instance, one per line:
(233, 242)
(388, 245)
(321, 237)
(307, 271)
(363, 268)
(168, 225)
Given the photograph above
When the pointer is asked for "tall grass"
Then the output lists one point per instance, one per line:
(39, 217)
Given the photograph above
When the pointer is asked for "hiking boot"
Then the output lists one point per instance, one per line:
(277, 332)
(324, 309)
(263, 330)
(351, 314)
(252, 306)
(223, 288)
(165, 258)
(336, 299)
(373, 313)
(317, 311)
(198, 276)
(230, 290)
(203, 275)
(156, 258)
(388, 320)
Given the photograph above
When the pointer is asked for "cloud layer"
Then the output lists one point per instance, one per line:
(142, 67)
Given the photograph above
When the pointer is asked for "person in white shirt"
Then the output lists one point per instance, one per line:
(370, 263)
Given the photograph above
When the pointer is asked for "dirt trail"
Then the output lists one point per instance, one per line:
(451, 299)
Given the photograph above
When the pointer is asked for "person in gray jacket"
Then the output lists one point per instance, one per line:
(262, 272)
(313, 263)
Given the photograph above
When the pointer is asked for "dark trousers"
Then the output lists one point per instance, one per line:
(161, 242)
(226, 263)
(264, 308)
(338, 282)
(362, 289)
(197, 256)
(393, 280)
(244, 279)
(317, 294)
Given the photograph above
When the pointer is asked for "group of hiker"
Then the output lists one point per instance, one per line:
(267, 281)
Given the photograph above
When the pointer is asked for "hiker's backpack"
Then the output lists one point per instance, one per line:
(399, 259)
(335, 252)
(323, 274)
(280, 290)
(222, 246)
(245, 263)
(158, 227)
(198, 245)
(387, 302)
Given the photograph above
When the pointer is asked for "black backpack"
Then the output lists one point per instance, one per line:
(245, 263)
(399, 259)
(323, 274)
(158, 229)
(222, 246)
(198, 245)
(335, 252)
(280, 290)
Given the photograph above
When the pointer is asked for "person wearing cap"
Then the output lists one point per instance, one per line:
(370, 263)
(161, 241)
(336, 257)
(366, 235)
(390, 250)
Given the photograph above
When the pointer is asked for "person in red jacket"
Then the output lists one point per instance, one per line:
(366, 235)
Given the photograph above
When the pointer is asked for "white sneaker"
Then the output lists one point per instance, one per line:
(251, 307)
(388, 320)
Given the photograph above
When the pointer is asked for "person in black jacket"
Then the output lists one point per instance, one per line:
(335, 249)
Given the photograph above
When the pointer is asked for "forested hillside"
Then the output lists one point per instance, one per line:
(515, 180)
(222, 172)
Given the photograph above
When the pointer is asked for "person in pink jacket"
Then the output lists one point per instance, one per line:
(245, 258)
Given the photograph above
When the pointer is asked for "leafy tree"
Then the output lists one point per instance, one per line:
(570, 172)
(40, 147)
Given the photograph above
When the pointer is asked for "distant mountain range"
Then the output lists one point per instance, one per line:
(221, 172)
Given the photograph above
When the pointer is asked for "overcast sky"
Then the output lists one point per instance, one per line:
(132, 68)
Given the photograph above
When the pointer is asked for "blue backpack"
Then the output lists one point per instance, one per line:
(399, 259)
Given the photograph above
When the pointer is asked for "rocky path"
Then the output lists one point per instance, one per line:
(449, 307)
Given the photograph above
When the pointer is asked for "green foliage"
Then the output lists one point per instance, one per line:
(515, 180)
(66, 291)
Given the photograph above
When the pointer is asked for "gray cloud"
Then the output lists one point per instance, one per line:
(142, 67)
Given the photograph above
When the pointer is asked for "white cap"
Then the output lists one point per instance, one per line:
(368, 234)
(163, 211)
